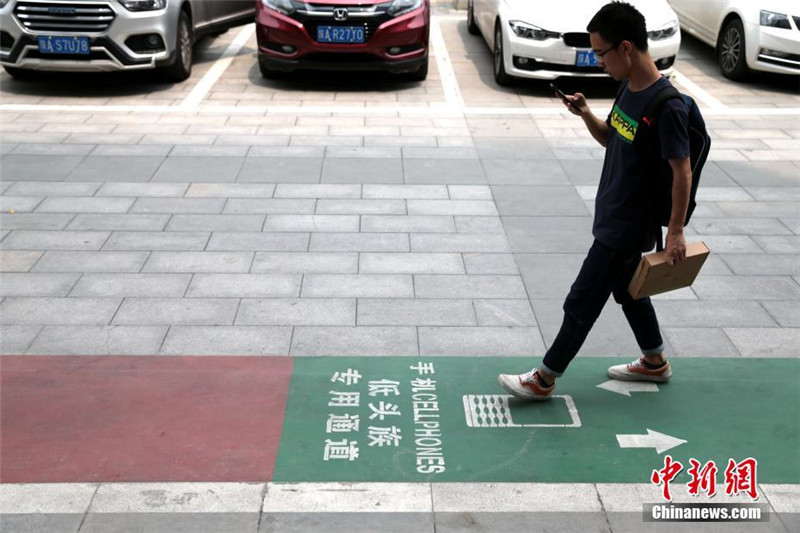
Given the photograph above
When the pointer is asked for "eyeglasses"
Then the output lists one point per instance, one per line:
(601, 54)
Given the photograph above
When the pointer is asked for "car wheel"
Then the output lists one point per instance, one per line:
(500, 75)
(731, 51)
(471, 26)
(181, 69)
(20, 73)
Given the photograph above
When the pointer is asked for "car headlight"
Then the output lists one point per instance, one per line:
(285, 7)
(775, 20)
(143, 5)
(401, 7)
(529, 31)
(667, 30)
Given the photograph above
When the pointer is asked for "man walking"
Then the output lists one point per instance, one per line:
(623, 223)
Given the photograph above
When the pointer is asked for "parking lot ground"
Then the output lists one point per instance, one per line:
(317, 218)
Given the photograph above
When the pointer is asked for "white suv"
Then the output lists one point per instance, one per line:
(108, 35)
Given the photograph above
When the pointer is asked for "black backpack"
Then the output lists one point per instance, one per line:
(699, 146)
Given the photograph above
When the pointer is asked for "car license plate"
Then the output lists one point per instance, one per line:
(585, 58)
(340, 34)
(64, 45)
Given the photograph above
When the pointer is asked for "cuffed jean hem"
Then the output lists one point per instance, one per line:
(654, 351)
(552, 373)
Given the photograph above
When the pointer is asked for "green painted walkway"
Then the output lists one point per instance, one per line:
(466, 428)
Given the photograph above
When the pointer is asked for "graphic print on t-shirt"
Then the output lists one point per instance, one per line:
(623, 124)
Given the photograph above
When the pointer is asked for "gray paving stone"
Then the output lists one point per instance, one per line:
(227, 340)
(715, 314)
(443, 171)
(440, 153)
(201, 150)
(452, 207)
(143, 189)
(55, 311)
(715, 266)
(131, 285)
(362, 170)
(55, 240)
(416, 312)
(727, 243)
(699, 342)
(513, 148)
(41, 523)
(490, 264)
(375, 152)
(178, 205)
(480, 341)
(19, 204)
(474, 224)
(766, 342)
(786, 313)
(632, 523)
(38, 167)
(763, 264)
(157, 240)
(504, 313)
(33, 284)
(85, 205)
(779, 244)
(587, 172)
(297, 312)
(199, 169)
(98, 340)
(216, 223)
(544, 200)
(306, 263)
(342, 522)
(359, 242)
(407, 224)
(222, 262)
(473, 522)
(108, 168)
(271, 207)
(259, 242)
(361, 207)
(18, 261)
(91, 262)
(14, 340)
(54, 149)
(549, 234)
(405, 192)
(774, 194)
(281, 170)
(524, 172)
(409, 263)
(244, 285)
(761, 173)
(357, 286)
(738, 226)
(132, 150)
(170, 522)
(50, 188)
(746, 288)
(313, 223)
(760, 209)
(287, 190)
(462, 243)
(297, 152)
(230, 190)
(119, 222)
(484, 286)
(352, 341)
(185, 311)
(34, 221)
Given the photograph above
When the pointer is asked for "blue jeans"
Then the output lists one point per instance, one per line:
(604, 272)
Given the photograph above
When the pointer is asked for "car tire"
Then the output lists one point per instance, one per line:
(472, 28)
(20, 73)
(418, 75)
(181, 69)
(500, 75)
(731, 51)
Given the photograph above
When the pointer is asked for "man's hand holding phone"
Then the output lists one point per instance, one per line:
(576, 103)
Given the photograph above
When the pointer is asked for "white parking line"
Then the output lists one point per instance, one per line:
(200, 91)
(452, 93)
(696, 92)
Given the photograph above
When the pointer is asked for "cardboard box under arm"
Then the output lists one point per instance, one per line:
(655, 275)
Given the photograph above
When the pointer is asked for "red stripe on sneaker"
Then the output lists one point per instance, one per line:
(157, 418)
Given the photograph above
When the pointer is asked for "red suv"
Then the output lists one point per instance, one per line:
(381, 35)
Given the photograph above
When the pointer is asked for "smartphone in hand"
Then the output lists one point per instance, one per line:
(559, 92)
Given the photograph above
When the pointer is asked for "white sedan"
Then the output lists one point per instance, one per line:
(546, 41)
(747, 35)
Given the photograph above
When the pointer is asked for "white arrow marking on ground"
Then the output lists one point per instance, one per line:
(653, 439)
(627, 387)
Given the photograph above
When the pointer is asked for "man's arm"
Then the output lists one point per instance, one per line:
(577, 105)
(681, 187)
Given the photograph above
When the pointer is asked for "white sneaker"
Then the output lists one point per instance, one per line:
(526, 386)
(637, 371)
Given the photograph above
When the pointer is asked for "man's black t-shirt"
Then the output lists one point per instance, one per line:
(623, 217)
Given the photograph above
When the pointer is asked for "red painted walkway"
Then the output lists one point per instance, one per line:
(101, 419)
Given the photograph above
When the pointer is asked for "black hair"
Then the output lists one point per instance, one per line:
(620, 21)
